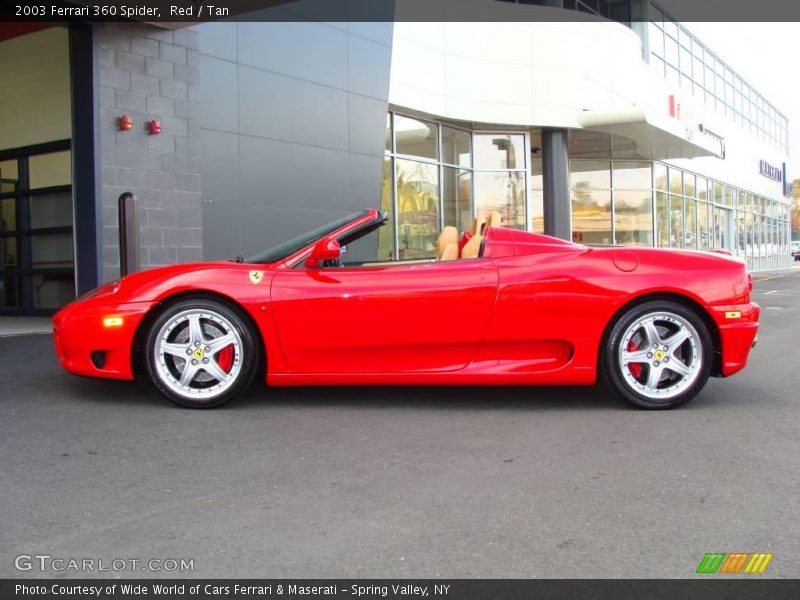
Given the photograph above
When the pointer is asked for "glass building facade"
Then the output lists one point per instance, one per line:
(438, 174)
(689, 65)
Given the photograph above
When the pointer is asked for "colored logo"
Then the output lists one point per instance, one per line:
(734, 562)
(256, 276)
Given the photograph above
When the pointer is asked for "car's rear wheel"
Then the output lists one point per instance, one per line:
(200, 353)
(658, 355)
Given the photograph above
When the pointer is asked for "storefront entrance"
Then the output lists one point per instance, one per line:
(37, 273)
(723, 228)
(37, 266)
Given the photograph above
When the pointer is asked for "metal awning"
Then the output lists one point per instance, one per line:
(655, 135)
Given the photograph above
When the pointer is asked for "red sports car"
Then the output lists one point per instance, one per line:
(496, 306)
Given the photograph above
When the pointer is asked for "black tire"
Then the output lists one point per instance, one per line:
(700, 346)
(164, 369)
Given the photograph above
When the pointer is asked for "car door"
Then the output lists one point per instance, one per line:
(383, 319)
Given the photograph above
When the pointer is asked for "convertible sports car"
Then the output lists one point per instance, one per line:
(496, 306)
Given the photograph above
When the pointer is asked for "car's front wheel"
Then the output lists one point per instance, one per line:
(200, 353)
(658, 355)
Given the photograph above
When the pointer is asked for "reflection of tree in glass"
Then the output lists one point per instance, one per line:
(583, 199)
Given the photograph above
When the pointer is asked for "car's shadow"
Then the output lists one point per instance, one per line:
(261, 397)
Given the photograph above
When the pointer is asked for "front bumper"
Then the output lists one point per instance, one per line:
(85, 345)
(738, 331)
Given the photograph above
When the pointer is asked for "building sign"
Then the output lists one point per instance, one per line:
(771, 171)
(787, 183)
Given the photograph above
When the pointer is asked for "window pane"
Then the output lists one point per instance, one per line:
(456, 147)
(662, 220)
(591, 217)
(671, 51)
(698, 72)
(8, 215)
(10, 257)
(51, 210)
(686, 62)
(52, 250)
(656, 38)
(504, 193)
(671, 27)
(9, 176)
(633, 218)
(689, 185)
(590, 174)
(457, 186)
(386, 233)
(9, 291)
(53, 291)
(676, 219)
(675, 181)
(50, 169)
(415, 137)
(746, 201)
(660, 176)
(702, 225)
(499, 151)
(537, 180)
(417, 209)
(702, 188)
(690, 223)
(388, 135)
(632, 176)
(684, 37)
(537, 218)
(741, 233)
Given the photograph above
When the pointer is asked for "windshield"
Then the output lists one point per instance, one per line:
(288, 248)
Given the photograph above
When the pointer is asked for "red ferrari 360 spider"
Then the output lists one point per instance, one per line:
(496, 306)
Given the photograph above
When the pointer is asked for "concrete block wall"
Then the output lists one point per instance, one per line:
(150, 73)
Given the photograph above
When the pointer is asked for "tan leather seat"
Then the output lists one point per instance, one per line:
(473, 247)
(494, 219)
(477, 225)
(448, 237)
(450, 252)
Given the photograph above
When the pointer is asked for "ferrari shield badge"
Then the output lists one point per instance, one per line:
(256, 276)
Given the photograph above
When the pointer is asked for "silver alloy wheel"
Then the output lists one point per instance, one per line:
(186, 353)
(660, 355)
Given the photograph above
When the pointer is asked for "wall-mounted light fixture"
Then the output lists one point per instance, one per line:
(125, 123)
(155, 127)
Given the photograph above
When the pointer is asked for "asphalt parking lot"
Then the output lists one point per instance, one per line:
(405, 482)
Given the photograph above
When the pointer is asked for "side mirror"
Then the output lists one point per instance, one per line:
(325, 249)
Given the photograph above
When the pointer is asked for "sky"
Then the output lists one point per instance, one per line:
(766, 55)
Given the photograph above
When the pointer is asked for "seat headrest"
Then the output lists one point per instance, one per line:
(477, 225)
(494, 219)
